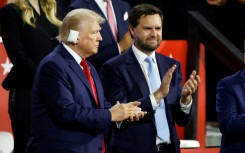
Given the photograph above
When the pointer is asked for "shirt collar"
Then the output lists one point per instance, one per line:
(73, 53)
(140, 56)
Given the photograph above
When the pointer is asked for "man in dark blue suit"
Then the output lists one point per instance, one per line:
(230, 107)
(109, 46)
(69, 111)
(127, 77)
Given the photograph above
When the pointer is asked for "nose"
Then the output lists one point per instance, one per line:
(99, 37)
(153, 32)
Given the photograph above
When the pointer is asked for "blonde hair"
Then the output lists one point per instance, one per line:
(48, 6)
(77, 20)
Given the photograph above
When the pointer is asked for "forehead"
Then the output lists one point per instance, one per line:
(151, 20)
(89, 26)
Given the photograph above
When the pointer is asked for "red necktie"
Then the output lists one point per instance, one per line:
(87, 73)
(111, 19)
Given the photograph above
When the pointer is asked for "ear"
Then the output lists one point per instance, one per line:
(73, 36)
(131, 30)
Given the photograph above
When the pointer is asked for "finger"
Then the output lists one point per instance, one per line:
(142, 114)
(135, 103)
(133, 110)
(168, 76)
(137, 117)
(186, 90)
(171, 70)
(192, 82)
(198, 79)
(193, 73)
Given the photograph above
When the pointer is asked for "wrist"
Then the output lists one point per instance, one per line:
(158, 95)
(186, 99)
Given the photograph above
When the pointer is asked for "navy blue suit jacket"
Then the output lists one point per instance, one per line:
(124, 80)
(108, 47)
(230, 100)
(65, 117)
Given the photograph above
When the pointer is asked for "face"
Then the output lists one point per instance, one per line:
(88, 40)
(148, 33)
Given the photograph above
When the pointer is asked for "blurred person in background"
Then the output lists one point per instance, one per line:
(230, 107)
(63, 4)
(115, 31)
(228, 17)
(29, 28)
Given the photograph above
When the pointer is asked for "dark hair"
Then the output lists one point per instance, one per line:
(140, 10)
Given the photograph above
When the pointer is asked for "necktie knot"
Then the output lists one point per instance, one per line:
(84, 63)
(85, 66)
(149, 60)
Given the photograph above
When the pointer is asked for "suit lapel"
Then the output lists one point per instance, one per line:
(162, 65)
(136, 72)
(92, 5)
(97, 83)
(119, 17)
(76, 68)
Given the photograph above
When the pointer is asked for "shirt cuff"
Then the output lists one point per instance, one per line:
(119, 49)
(186, 108)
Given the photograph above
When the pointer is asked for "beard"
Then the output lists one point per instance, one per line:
(146, 47)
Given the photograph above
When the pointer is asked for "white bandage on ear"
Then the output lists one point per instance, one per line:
(73, 36)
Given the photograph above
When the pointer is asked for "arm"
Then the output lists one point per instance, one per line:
(67, 99)
(69, 102)
(230, 106)
(12, 30)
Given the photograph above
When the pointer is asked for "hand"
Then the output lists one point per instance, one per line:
(125, 42)
(164, 88)
(120, 112)
(136, 117)
(190, 87)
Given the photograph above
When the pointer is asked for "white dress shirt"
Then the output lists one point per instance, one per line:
(140, 56)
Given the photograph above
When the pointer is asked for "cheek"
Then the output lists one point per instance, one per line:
(159, 34)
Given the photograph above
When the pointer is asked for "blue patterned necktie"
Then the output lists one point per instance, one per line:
(160, 114)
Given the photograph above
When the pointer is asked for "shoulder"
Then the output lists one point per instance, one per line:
(121, 3)
(81, 3)
(11, 7)
(166, 59)
(9, 10)
(117, 60)
(233, 79)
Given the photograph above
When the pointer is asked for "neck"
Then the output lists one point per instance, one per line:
(35, 4)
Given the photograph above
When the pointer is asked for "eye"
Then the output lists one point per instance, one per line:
(96, 32)
(158, 28)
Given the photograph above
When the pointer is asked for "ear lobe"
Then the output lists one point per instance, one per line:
(131, 30)
(76, 41)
